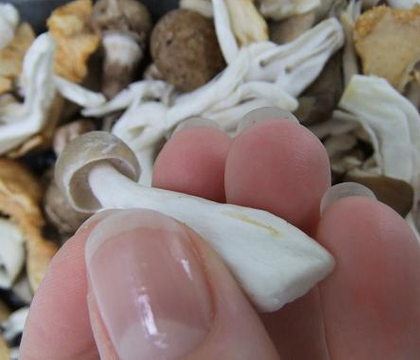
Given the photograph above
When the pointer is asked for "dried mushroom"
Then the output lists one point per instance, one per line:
(11, 56)
(124, 27)
(190, 66)
(387, 40)
(20, 195)
(70, 27)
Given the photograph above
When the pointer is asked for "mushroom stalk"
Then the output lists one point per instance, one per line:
(274, 261)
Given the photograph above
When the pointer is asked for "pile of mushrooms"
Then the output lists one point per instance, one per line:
(105, 70)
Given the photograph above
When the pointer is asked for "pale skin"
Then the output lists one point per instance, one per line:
(368, 308)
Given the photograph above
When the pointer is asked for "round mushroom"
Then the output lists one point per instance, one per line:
(185, 49)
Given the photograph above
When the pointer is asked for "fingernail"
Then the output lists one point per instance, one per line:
(262, 114)
(149, 285)
(95, 218)
(196, 122)
(342, 190)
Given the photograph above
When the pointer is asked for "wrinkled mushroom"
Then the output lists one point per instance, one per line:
(11, 56)
(124, 26)
(20, 195)
(387, 41)
(274, 261)
(69, 25)
(9, 19)
(190, 66)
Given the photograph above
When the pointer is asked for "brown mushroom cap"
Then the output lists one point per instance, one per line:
(185, 49)
(81, 155)
(128, 16)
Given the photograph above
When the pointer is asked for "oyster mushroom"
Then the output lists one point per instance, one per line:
(186, 67)
(273, 261)
(69, 25)
(387, 41)
(124, 26)
(20, 195)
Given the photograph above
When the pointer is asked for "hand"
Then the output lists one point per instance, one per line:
(158, 291)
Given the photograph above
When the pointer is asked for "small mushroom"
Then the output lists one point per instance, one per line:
(273, 261)
(190, 66)
(395, 193)
(124, 26)
(69, 25)
(387, 41)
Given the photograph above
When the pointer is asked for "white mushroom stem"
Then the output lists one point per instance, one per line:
(273, 261)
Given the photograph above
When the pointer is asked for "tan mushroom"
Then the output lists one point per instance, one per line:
(70, 27)
(388, 42)
(124, 26)
(20, 195)
(11, 57)
(186, 67)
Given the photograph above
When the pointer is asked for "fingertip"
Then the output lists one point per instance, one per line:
(279, 166)
(193, 162)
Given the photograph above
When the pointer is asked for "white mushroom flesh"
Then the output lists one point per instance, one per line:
(405, 4)
(9, 19)
(278, 10)
(14, 324)
(12, 253)
(274, 262)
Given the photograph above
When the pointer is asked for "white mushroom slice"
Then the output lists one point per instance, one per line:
(278, 9)
(203, 7)
(77, 94)
(15, 324)
(224, 31)
(12, 253)
(295, 65)
(392, 122)
(273, 261)
(9, 19)
(405, 4)
(29, 118)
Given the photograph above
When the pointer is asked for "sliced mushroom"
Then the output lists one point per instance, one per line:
(387, 41)
(20, 195)
(124, 26)
(273, 261)
(69, 25)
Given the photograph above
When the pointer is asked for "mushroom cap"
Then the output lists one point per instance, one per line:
(127, 16)
(81, 155)
(185, 49)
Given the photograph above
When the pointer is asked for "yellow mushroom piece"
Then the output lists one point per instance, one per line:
(70, 27)
(20, 195)
(388, 43)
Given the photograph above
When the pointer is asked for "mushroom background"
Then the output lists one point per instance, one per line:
(348, 70)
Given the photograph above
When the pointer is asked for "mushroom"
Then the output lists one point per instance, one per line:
(395, 193)
(20, 195)
(274, 262)
(278, 10)
(282, 32)
(404, 4)
(124, 26)
(190, 66)
(69, 25)
(11, 56)
(15, 323)
(9, 19)
(4, 350)
(203, 7)
(387, 41)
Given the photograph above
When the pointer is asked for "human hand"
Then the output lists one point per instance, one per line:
(158, 291)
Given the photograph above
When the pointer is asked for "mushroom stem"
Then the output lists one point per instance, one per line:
(274, 261)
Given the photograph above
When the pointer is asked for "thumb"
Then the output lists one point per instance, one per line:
(158, 291)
